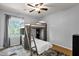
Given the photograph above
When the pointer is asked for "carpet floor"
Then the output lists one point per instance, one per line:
(20, 51)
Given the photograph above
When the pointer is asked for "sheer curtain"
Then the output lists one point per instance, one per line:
(6, 43)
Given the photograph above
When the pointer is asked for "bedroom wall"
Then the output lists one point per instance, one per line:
(27, 19)
(62, 25)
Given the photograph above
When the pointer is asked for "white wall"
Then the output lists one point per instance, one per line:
(27, 19)
(62, 25)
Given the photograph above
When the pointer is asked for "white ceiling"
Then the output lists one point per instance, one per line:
(19, 8)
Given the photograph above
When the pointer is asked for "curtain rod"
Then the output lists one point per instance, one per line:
(15, 16)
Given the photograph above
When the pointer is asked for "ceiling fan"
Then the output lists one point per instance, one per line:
(38, 7)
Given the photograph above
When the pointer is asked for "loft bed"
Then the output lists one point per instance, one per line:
(35, 43)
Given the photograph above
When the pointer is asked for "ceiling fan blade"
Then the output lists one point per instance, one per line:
(44, 9)
(39, 12)
(32, 10)
(40, 4)
(30, 5)
(36, 4)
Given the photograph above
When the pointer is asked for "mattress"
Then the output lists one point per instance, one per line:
(41, 45)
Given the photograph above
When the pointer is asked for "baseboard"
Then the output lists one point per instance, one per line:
(61, 49)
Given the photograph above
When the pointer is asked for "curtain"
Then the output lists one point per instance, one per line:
(26, 38)
(6, 42)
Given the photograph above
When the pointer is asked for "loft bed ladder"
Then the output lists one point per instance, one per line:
(28, 33)
(34, 45)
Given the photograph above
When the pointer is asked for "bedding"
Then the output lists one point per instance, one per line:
(41, 45)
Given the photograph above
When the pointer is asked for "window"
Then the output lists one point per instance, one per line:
(14, 26)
